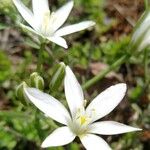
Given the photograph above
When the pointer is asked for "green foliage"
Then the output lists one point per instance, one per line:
(113, 50)
(7, 139)
(5, 67)
(6, 7)
(3, 26)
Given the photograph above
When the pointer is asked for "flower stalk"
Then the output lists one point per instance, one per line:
(40, 57)
(103, 73)
(145, 61)
(146, 2)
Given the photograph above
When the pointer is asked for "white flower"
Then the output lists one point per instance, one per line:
(47, 24)
(82, 121)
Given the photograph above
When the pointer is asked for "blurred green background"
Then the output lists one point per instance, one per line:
(90, 52)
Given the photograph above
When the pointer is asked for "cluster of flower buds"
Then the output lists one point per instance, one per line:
(36, 81)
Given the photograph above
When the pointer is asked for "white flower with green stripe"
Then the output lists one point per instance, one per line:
(47, 24)
(80, 121)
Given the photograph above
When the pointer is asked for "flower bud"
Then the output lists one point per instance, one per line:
(36, 81)
(141, 35)
(57, 77)
(32, 77)
(20, 93)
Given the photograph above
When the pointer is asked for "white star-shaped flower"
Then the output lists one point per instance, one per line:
(47, 24)
(80, 121)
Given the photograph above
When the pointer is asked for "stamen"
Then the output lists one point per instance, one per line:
(46, 19)
(46, 22)
(83, 120)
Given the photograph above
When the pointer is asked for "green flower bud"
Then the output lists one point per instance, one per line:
(141, 35)
(32, 78)
(39, 82)
(57, 77)
(36, 81)
(20, 93)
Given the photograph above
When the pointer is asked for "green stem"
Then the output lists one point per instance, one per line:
(145, 61)
(103, 73)
(146, 2)
(40, 57)
(38, 126)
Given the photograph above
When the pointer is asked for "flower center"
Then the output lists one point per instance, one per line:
(81, 121)
(47, 23)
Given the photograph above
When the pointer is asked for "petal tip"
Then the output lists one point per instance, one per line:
(70, 4)
(133, 129)
(138, 129)
(122, 86)
(90, 23)
(93, 23)
(44, 145)
(66, 46)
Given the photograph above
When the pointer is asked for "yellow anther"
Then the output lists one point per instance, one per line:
(83, 120)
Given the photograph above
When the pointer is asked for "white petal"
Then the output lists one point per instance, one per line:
(25, 12)
(48, 104)
(40, 10)
(74, 28)
(62, 14)
(59, 41)
(73, 92)
(105, 102)
(40, 7)
(59, 137)
(93, 142)
(110, 128)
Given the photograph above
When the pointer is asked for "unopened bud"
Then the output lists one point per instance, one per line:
(57, 77)
(20, 93)
(36, 81)
(32, 77)
(141, 35)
